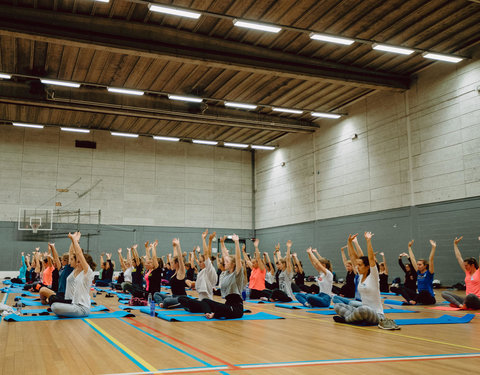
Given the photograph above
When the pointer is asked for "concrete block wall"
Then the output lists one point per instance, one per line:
(412, 148)
(135, 181)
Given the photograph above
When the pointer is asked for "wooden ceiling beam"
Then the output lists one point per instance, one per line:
(134, 38)
(98, 100)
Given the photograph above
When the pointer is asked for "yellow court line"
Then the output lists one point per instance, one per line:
(123, 347)
(323, 320)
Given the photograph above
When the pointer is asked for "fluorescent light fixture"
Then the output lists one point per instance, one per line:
(240, 105)
(102, 1)
(236, 145)
(325, 115)
(437, 56)
(185, 98)
(169, 139)
(331, 39)
(387, 48)
(202, 142)
(60, 83)
(5, 76)
(75, 130)
(23, 125)
(270, 148)
(257, 26)
(287, 110)
(124, 91)
(129, 135)
(174, 11)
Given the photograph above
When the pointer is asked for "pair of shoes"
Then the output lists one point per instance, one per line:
(388, 324)
(339, 319)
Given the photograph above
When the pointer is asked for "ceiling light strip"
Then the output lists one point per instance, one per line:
(442, 57)
(240, 105)
(75, 130)
(5, 76)
(128, 135)
(59, 83)
(173, 11)
(24, 125)
(185, 98)
(119, 90)
(326, 115)
(203, 142)
(257, 26)
(332, 39)
(168, 139)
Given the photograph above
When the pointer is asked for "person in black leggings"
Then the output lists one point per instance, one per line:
(410, 285)
(231, 287)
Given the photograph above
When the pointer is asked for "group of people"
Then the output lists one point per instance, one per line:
(65, 283)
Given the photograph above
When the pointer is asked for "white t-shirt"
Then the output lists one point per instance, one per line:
(370, 291)
(325, 281)
(80, 287)
(127, 275)
(269, 278)
(206, 280)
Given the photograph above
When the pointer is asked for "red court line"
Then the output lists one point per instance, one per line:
(140, 324)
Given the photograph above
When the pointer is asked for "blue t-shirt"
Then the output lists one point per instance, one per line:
(425, 282)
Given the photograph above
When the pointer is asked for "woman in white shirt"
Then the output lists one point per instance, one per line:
(78, 284)
(324, 281)
(370, 310)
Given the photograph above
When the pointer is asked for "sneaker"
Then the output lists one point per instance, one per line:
(306, 304)
(388, 324)
(339, 319)
(265, 299)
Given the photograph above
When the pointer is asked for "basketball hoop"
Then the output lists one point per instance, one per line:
(35, 223)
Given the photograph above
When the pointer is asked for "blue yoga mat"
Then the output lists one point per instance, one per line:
(398, 311)
(444, 319)
(37, 311)
(323, 312)
(22, 318)
(202, 318)
(257, 301)
(394, 302)
(28, 302)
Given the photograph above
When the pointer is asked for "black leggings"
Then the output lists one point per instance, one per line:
(276, 295)
(422, 298)
(231, 309)
(136, 291)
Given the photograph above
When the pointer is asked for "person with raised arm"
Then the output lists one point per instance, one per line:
(348, 289)
(23, 269)
(472, 282)
(78, 284)
(46, 290)
(425, 271)
(270, 274)
(370, 310)
(410, 284)
(284, 292)
(324, 280)
(257, 276)
(231, 286)
(383, 274)
(206, 278)
(177, 282)
(127, 268)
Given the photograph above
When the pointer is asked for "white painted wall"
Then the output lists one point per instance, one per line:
(143, 182)
(417, 147)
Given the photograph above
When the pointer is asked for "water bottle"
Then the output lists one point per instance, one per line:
(247, 292)
(244, 294)
(151, 303)
(19, 307)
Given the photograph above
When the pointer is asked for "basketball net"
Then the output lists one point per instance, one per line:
(34, 228)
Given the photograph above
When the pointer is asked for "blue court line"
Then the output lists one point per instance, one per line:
(119, 348)
(173, 346)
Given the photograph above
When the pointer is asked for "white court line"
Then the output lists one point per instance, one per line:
(310, 363)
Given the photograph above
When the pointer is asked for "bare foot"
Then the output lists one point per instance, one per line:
(161, 305)
(209, 315)
(412, 302)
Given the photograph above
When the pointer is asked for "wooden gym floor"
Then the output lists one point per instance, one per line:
(302, 343)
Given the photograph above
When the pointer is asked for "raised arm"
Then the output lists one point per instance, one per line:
(358, 249)
(431, 267)
(260, 262)
(267, 261)
(135, 255)
(315, 262)
(458, 254)
(129, 256)
(412, 256)
(154, 254)
(288, 257)
(344, 257)
(208, 254)
(75, 237)
(248, 262)
(384, 262)
(224, 248)
(297, 263)
(181, 264)
(238, 257)
(351, 251)
(400, 262)
(56, 259)
(120, 257)
(371, 254)
(204, 242)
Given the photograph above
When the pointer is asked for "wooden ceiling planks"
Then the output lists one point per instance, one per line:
(442, 25)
